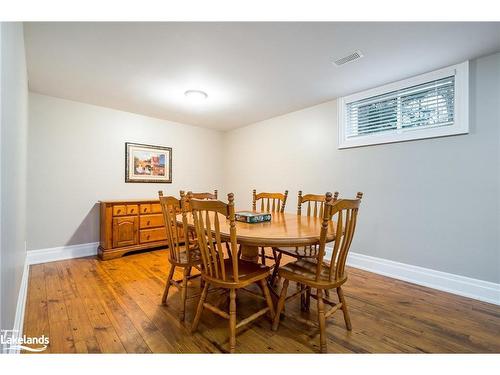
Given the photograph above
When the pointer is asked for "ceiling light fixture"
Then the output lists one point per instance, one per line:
(196, 95)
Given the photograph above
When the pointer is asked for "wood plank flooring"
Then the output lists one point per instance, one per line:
(89, 306)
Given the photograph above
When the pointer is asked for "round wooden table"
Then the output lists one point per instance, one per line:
(284, 230)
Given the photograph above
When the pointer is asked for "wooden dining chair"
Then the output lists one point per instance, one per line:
(269, 202)
(204, 196)
(182, 253)
(320, 275)
(315, 208)
(222, 270)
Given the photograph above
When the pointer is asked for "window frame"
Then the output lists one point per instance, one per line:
(461, 111)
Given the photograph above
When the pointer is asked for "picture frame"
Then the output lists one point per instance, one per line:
(148, 163)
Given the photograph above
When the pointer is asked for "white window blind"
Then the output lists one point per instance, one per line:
(434, 104)
(427, 105)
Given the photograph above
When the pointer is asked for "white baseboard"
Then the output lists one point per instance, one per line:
(464, 286)
(62, 252)
(20, 307)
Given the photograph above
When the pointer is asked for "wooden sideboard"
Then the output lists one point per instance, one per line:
(130, 225)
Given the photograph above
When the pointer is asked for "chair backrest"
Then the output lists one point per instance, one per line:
(346, 212)
(171, 208)
(207, 215)
(315, 203)
(269, 202)
(204, 195)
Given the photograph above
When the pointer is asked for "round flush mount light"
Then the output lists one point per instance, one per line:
(196, 95)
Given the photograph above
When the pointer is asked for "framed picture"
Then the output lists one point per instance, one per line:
(148, 163)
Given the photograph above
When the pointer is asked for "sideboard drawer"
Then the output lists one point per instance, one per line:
(119, 210)
(145, 208)
(151, 235)
(151, 221)
(132, 209)
(155, 208)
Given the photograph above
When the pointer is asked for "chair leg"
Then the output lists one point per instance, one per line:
(199, 309)
(281, 304)
(269, 300)
(167, 287)
(263, 255)
(308, 299)
(186, 272)
(232, 320)
(277, 260)
(347, 318)
(303, 297)
(321, 319)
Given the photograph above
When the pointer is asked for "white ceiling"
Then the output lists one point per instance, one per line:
(251, 71)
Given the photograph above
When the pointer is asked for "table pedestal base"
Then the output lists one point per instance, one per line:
(250, 253)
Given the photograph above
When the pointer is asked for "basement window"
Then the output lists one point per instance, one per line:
(434, 104)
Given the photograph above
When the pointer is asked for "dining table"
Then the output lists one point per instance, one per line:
(283, 230)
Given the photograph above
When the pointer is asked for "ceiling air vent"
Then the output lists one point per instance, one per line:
(350, 58)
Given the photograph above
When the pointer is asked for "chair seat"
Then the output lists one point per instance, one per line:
(299, 252)
(195, 257)
(304, 271)
(248, 272)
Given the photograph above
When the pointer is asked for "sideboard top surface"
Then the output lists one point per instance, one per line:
(154, 200)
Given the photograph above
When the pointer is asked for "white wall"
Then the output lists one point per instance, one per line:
(77, 157)
(432, 203)
(13, 136)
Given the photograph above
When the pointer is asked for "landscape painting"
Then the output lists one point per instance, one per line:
(148, 163)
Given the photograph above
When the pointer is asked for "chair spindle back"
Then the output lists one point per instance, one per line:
(207, 215)
(315, 203)
(270, 202)
(346, 211)
(171, 207)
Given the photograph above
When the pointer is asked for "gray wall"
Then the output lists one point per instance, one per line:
(77, 157)
(14, 101)
(432, 203)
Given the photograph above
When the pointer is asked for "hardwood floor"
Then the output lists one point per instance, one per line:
(90, 306)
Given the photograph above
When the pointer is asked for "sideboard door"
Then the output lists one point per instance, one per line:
(125, 231)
